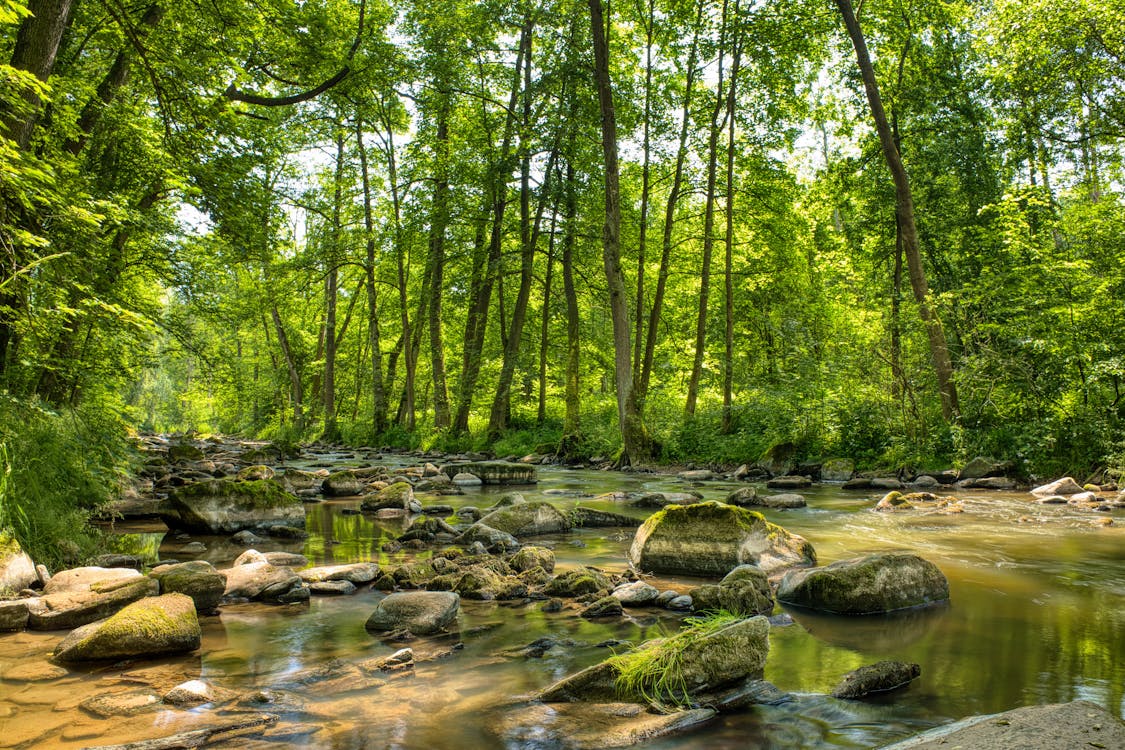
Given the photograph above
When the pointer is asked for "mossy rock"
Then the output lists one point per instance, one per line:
(342, 484)
(497, 472)
(184, 452)
(480, 583)
(398, 495)
(577, 582)
(711, 539)
(533, 557)
(528, 519)
(225, 507)
(197, 579)
(744, 591)
(866, 585)
(17, 570)
(254, 473)
(151, 627)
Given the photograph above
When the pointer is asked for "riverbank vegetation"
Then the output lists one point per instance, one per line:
(659, 231)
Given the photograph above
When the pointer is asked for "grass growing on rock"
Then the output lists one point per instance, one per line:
(654, 670)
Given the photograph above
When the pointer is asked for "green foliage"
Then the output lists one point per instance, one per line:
(56, 469)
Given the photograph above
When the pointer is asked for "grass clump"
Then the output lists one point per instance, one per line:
(654, 671)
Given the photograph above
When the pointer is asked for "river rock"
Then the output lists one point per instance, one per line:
(183, 452)
(528, 519)
(508, 499)
(465, 479)
(591, 518)
(14, 614)
(876, 678)
(533, 557)
(886, 483)
(988, 483)
(742, 497)
(296, 480)
(342, 484)
(607, 606)
(1080, 724)
(261, 581)
(159, 625)
(197, 579)
(893, 501)
(744, 591)
(254, 473)
(636, 594)
(17, 570)
(480, 582)
(499, 472)
(332, 588)
(789, 482)
(981, 467)
(490, 538)
(357, 573)
(724, 657)
(783, 501)
(420, 612)
(190, 693)
(398, 495)
(578, 582)
(710, 539)
(662, 499)
(837, 470)
(224, 507)
(593, 726)
(697, 475)
(80, 596)
(866, 585)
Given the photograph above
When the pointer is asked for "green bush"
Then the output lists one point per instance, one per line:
(56, 470)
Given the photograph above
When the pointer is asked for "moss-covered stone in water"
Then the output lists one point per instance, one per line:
(528, 519)
(497, 472)
(225, 507)
(710, 539)
(866, 585)
(159, 625)
(184, 452)
(577, 583)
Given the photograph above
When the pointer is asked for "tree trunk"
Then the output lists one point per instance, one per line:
(296, 389)
(646, 169)
(545, 317)
(331, 279)
(378, 393)
(439, 219)
(37, 46)
(476, 324)
(708, 232)
(728, 255)
(670, 218)
(635, 444)
(904, 204)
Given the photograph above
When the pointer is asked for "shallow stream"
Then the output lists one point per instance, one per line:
(1037, 615)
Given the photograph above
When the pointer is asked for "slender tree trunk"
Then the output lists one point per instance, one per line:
(572, 421)
(635, 442)
(646, 169)
(439, 219)
(670, 218)
(378, 393)
(728, 245)
(331, 280)
(904, 201)
(708, 232)
(477, 322)
(295, 386)
(545, 317)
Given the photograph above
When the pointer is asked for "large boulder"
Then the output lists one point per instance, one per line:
(1064, 486)
(158, 625)
(420, 612)
(692, 662)
(398, 496)
(866, 585)
(744, 591)
(876, 678)
(197, 579)
(593, 726)
(17, 571)
(711, 539)
(264, 582)
(981, 467)
(82, 595)
(342, 484)
(528, 519)
(1080, 724)
(837, 470)
(578, 582)
(361, 572)
(224, 507)
(496, 472)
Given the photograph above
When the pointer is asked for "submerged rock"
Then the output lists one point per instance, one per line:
(607, 606)
(224, 507)
(398, 496)
(342, 484)
(159, 625)
(866, 585)
(876, 678)
(593, 726)
(533, 557)
(789, 482)
(578, 582)
(710, 539)
(498, 472)
(636, 594)
(362, 572)
(420, 612)
(590, 518)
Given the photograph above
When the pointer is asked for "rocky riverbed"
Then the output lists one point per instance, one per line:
(324, 598)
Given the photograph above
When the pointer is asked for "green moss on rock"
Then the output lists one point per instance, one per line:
(866, 585)
(158, 625)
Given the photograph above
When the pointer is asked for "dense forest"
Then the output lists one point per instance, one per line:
(657, 231)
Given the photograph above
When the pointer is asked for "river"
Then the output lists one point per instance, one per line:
(1037, 615)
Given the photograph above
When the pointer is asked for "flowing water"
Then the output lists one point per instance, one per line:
(1037, 615)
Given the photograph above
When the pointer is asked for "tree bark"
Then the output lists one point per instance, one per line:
(439, 219)
(378, 392)
(635, 443)
(37, 47)
(904, 205)
(708, 232)
(295, 386)
(727, 425)
(331, 280)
